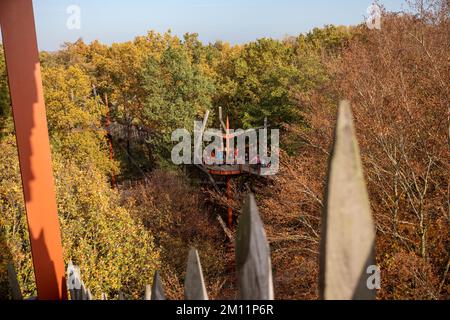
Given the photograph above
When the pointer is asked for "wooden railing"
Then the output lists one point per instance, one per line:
(347, 243)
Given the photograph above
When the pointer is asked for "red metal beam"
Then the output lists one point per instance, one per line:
(24, 75)
(230, 209)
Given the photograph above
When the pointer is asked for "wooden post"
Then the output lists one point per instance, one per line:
(348, 232)
(194, 284)
(148, 292)
(157, 291)
(24, 75)
(254, 269)
(16, 293)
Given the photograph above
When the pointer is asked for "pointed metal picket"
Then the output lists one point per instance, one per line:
(16, 293)
(157, 292)
(254, 270)
(194, 284)
(348, 233)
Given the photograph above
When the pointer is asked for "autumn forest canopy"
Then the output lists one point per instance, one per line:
(126, 210)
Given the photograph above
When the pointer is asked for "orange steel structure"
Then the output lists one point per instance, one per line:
(229, 192)
(224, 171)
(24, 76)
(229, 171)
(109, 140)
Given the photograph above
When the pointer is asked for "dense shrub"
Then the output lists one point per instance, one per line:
(113, 250)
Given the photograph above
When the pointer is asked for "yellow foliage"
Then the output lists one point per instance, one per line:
(113, 250)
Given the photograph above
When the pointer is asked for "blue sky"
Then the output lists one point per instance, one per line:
(235, 21)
